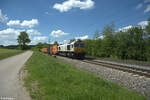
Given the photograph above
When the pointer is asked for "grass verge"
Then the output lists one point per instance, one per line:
(4, 53)
(51, 79)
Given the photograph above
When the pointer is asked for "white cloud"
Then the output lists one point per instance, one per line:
(124, 29)
(58, 33)
(70, 4)
(101, 37)
(3, 18)
(9, 36)
(82, 37)
(139, 6)
(24, 24)
(14, 23)
(30, 23)
(143, 24)
(9, 42)
(33, 32)
(147, 9)
(38, 39)
(9, 31)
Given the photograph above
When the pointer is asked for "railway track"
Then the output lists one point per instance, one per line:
(141, 71)
(134, 70)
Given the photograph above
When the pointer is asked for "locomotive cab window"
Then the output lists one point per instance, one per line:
(76, 45)
(68, 47)
(79, 45)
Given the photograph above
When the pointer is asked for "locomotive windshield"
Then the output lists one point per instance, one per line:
(79, 45)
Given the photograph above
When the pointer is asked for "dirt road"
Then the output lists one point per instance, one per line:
(9, 77)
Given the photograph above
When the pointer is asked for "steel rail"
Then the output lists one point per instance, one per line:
(138, 71)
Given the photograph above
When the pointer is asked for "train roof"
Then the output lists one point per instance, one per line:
(69, 43)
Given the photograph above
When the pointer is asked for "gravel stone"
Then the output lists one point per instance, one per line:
(131, 81)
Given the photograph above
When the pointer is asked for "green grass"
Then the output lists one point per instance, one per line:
(4, 53)
(51, 79)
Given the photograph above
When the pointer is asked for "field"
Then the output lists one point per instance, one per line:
(51, 79)
(4, 53)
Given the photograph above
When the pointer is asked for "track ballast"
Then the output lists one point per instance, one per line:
(131, 69)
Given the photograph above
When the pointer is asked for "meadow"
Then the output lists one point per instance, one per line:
(4, 53)
(51, 79)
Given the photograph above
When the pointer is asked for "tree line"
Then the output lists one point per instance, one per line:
(133, 43)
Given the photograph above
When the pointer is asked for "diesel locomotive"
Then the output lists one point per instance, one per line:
(75, 49)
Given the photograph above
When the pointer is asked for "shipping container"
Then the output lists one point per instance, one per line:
(54, 49)
(44, 50)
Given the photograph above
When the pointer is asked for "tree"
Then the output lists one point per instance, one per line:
(131, 44)
(55, 43)
(23, 40)
(39, 46)
(109, 30)
(137, 43)
(121, 45)
(147, 29)
(109, 41)
(96, 35)
(72, 40)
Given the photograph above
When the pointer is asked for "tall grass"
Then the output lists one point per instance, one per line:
(51, 79)
(4, 53)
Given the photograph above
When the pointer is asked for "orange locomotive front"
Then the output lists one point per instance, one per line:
(53, 50)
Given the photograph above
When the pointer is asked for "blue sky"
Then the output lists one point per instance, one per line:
(62, 20)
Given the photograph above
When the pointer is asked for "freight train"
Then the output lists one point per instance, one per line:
(75, 49)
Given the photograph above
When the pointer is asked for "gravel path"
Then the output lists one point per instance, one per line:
(128, 80)
(10, 87)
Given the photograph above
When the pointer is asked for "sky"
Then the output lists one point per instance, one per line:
(62, 20)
